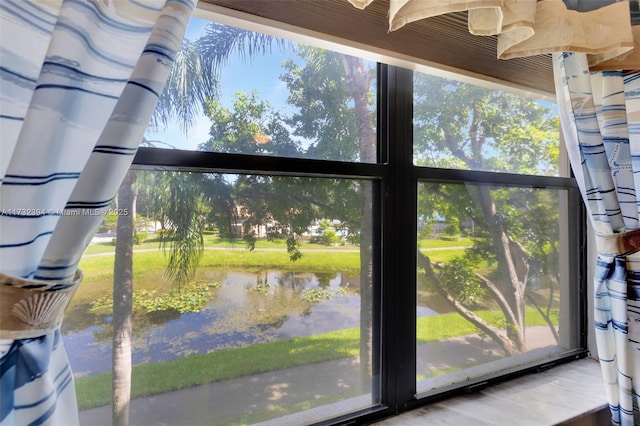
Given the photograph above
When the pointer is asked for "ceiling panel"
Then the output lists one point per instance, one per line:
(443, 40)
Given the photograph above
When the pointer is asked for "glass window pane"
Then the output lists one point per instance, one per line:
(493, 286)
(463, 126)
(274, 324)
(267, 96)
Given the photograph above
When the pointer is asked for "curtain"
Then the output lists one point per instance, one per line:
(79, 81)
(533, 27)
(600, 116)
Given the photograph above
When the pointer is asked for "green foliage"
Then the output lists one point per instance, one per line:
(459, 279)
(241, 129)
(108, 222)
(324, 109)
(425, 228)
(187, 87)
(452, 227)
(330, 237)
(314, 295)
(191, 297)
(261, 288)
(249, 238)
(139, 237)
(165, 233)
(293, 248)
(185, 211)
(458, 125)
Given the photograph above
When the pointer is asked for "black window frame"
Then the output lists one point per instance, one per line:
(395, 239)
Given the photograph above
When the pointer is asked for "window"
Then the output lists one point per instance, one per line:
(347, 223)
(494, 255)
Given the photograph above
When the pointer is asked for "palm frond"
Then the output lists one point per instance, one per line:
(219, 42)
(186, 89)
(185, 224)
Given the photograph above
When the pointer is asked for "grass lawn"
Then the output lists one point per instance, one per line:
(432, 243)
(213, 241)
(194, 370)
(149, 265)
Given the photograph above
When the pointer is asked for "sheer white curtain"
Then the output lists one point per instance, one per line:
(79, 81)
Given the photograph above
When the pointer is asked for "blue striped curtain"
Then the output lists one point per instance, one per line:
(79, 80)
(600, 116)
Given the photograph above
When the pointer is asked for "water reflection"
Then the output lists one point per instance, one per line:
(249, 307)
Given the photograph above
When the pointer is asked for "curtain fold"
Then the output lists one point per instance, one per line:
(600, 116)
(530, 27)
(79, 81)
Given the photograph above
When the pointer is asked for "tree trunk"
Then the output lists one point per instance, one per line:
(512, 266)
(358, 84)
(122, 302)
(498, 336)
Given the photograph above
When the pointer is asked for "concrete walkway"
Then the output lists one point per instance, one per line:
(220, 402)
(208, 404)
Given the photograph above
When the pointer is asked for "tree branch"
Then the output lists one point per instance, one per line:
(499, 297)
(545, 317)
(495, 333)
(455, 149)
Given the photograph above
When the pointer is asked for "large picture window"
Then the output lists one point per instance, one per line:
(270, 323)
(492, 284)
(322, 238)
(494, 255)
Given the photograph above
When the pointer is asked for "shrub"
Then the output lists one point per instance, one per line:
(452, 227)
(140, 237)
(330, 237)
(164, 233)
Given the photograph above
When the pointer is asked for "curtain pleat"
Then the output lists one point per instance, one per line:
(79, 81)
(600, 116)
(531, 27)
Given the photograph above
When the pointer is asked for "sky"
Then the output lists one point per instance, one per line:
(261, 74)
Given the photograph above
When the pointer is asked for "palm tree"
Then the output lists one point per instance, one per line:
(358, 82)
(216, 45)
(192, 81)
(122, 303)
(185, 91)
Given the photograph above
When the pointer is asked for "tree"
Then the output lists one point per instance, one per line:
(332, 96)
(238, 130)
(123, 302)
(192, 80)
(469, 127)
(181, 99)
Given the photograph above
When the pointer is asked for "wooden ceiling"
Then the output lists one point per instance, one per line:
(443, 40)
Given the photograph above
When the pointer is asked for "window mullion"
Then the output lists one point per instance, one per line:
(400, 241)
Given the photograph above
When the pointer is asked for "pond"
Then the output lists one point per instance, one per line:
(249, 307)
